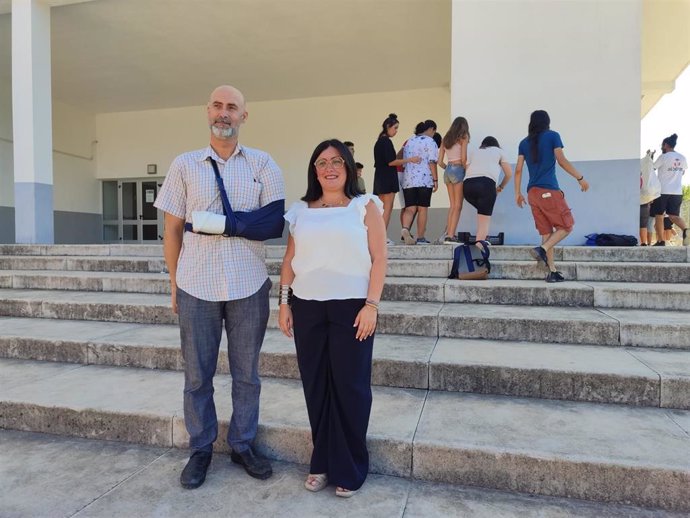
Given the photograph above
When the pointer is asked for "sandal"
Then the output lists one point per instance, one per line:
(316, 482)
(344, 493)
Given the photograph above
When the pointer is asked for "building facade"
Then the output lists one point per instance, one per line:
(98, 97)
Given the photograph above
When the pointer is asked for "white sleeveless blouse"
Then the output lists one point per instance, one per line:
(332, 260)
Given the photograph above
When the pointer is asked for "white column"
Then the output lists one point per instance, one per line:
(32, 122)
(580, 61)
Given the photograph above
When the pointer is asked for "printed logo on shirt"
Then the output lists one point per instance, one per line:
(676, 166)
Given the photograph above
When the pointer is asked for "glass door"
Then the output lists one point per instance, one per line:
(129, 207)
(128, 212)
(149, 214)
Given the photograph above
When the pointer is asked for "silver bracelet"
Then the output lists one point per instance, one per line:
(284, 294)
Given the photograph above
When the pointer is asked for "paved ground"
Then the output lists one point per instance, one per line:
(53, 476)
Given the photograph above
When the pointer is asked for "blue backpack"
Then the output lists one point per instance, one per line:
(471, 263)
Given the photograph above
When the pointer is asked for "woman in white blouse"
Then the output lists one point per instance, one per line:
(334, 267)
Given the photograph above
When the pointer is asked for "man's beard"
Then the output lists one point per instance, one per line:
(223, 133)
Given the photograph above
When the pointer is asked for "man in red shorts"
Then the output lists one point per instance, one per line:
(541, 149)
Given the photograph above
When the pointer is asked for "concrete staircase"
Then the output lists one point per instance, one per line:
(579, 389)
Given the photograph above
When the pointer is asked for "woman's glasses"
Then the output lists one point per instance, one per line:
(335, 163)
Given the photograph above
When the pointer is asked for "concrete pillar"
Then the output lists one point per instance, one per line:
(32, 122)
(580, 61)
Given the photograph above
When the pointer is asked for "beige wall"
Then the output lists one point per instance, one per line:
(75, 188)
(289, 130)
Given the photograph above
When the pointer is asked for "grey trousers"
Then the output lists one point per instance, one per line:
(201, 327)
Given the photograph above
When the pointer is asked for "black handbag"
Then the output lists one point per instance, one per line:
(264, 223)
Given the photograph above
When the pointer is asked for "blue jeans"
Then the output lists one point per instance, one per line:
(454, 173)
(201, 327)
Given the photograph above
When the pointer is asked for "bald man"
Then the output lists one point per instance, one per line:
(219, 281)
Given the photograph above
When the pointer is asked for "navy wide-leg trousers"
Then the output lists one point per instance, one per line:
(336, 377)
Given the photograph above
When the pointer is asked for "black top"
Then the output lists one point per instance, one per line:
(385, 176)
(384, 154)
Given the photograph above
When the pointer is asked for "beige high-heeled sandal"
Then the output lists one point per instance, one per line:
(344, 493)
(316, 482)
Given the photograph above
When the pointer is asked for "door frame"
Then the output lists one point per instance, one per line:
(139, 222)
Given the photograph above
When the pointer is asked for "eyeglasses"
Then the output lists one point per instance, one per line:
(335, 163)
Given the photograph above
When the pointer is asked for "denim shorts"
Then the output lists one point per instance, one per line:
(454, 173)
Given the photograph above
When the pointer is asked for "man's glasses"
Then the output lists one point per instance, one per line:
(335, 163)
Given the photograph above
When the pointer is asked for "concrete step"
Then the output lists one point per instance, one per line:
(84, 263)
(399, 361)
(585, 271)
(142, 481)
(530, 270)
(641, 328)
(402, 318)
(124, 282)
(508, 252)
(641, 377)
(607, 453)
(521, 253)
(492, 291)
(131, 250)
(407, 267)
(396, 288)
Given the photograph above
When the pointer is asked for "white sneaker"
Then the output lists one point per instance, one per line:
(389, 242)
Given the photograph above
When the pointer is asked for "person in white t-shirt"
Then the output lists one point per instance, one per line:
(335, 265)
(671, 167)
(484, 166)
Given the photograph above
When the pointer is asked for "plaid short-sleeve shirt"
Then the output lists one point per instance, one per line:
(217, 268)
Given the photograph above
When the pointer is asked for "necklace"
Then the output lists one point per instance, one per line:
(337, 204)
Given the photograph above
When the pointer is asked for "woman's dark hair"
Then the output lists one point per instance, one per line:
(424, 126)
(489, 142)
(438, 139)
(314, 191)
(459, 129)
(391, 120)
(539, 122)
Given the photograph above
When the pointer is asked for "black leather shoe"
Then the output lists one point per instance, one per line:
(194, 473)
(254, 466)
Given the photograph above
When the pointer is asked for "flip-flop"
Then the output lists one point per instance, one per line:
(319, 480)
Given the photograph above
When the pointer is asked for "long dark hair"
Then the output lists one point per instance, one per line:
(391, 120)
(489, 142)
(314, 190)
(459, 129)
(539, 122)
